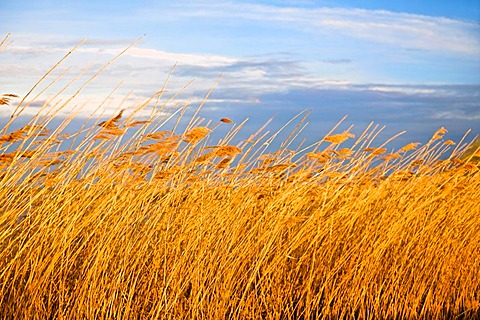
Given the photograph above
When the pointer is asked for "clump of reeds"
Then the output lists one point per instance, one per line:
(128, 219)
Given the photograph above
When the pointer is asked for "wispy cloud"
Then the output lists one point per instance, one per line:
(337, 61)
(409, 31)
(372, 65)
(456, 115)
(211, 61)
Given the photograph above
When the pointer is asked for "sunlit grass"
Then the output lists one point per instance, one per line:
(126, 219)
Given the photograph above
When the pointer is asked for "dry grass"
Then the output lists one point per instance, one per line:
(165, 225)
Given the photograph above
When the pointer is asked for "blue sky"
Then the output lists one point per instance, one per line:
(408, 65)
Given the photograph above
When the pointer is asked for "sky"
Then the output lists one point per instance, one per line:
(406, 65)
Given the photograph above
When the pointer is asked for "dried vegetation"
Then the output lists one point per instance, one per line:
(165, 224)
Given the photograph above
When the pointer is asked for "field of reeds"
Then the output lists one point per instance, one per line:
(124, 218)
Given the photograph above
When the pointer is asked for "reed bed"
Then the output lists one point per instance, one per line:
(127, 219)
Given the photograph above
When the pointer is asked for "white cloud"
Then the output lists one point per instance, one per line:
(211, 61)
(404, 90)
(379, 26)
(205, 60)
(455, 115)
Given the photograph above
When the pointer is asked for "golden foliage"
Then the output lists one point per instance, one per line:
(112, 123)
(449, 142)
(339, 138)
(226, 120)
(195, 134)
(409, 147)
(147, 227)
(6, 98)
(151, 229)
(138, 123)
(227, 151)
(224, 163)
